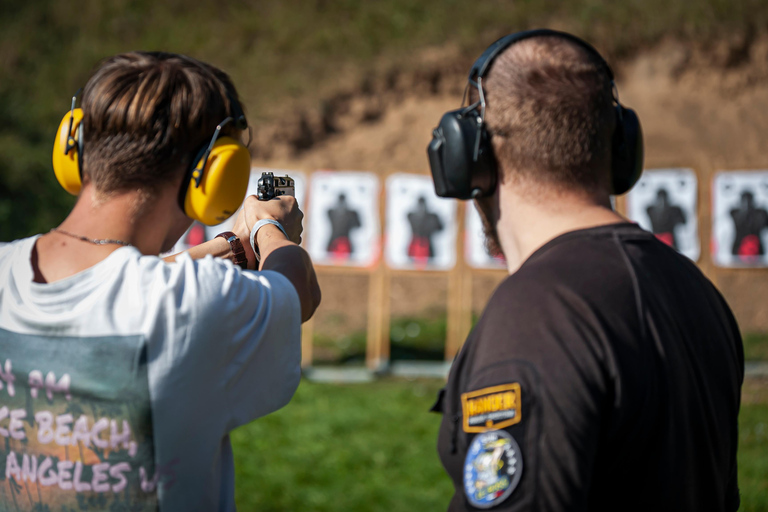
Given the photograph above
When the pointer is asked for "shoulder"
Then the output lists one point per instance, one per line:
(15, 252)
(216, 279)
(569, 298)
(9, 248)
(573, 271)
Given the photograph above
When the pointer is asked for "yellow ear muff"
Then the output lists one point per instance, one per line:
(66, 152)
(213, 194)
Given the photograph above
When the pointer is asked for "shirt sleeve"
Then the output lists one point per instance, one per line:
(531, 415)
(526, 447)
(248, 336)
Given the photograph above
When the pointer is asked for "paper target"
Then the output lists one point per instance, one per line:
(475, 250)
(421, 227)
(664, 202)
(740, 219)
(343, 218)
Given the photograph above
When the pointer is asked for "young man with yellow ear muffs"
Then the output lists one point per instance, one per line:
(127, 372)
(605, 371)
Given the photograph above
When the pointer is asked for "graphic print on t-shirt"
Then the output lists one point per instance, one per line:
(76, 418)
(740, 219)
(421, 227)
(664, 203)
(343, 217)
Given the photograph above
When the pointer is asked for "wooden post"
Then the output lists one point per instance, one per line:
(377, 349)
(307, 336)
(466, 305)
(456, 322)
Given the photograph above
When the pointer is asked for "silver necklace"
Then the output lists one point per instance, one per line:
(96, 241)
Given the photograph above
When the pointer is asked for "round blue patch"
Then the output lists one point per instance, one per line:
(492, 469)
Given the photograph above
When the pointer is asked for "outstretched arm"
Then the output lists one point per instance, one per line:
(218, 248)
(278, 253)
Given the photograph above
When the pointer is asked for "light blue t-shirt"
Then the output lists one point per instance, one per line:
(120, 384)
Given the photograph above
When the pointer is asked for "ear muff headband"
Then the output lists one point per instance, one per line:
(461, 156)
(216, 182)
(483, 63)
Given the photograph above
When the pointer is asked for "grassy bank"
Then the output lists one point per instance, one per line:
(756, 346)
(371, 447)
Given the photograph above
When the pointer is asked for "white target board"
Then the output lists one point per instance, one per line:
(475, 250)
(343, 218)
(421, 227)
(740, 219)
(664, 202)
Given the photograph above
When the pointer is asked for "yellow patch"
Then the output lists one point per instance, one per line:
(491, 408)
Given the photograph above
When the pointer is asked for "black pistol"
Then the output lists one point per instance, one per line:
(270, 186)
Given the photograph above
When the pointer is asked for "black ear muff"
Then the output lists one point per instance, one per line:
(461, 157)
(627, 153)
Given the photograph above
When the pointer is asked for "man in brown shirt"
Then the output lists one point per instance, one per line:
(605, 372)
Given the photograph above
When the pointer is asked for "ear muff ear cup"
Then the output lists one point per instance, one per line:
(67, 151)
(461, 157)
(213, 194)
(627, 153)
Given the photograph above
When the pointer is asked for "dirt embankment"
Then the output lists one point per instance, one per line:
(702, 106)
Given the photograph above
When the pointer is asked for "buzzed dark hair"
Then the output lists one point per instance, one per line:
(550, 112)
(147, 114)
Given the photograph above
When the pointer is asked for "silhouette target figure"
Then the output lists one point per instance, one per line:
(343, 221)
(424, 224)
(665, 217)
(749, 223)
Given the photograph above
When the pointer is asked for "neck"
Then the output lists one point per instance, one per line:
(529, 220)
(150, 223)
(133, 216)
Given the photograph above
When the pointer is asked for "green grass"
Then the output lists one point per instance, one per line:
(361, 448)
(753, 457)
(756, 346)
(372, 447)
(418, 339)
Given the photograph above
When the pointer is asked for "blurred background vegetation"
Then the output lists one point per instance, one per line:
(280, 53)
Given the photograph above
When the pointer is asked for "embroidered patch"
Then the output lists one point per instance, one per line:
(492, 469)
(491, 408)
